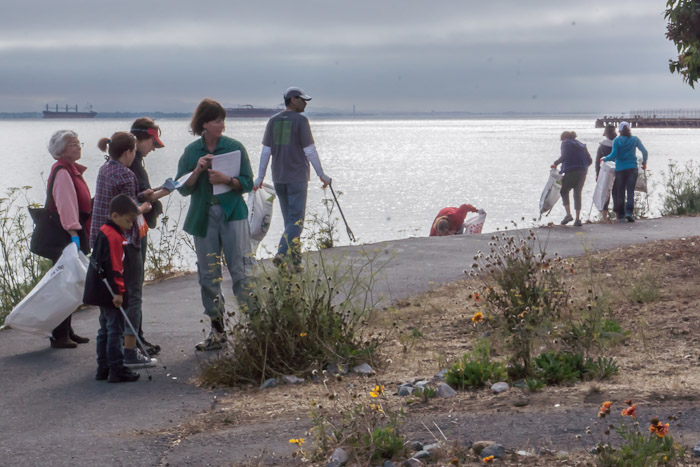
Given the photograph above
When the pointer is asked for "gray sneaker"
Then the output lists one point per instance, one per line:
(215, 341)
(138, 360)
(566, 219)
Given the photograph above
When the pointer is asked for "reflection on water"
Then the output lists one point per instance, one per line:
(395, 175)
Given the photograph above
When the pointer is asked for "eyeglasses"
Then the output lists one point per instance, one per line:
(77, 144)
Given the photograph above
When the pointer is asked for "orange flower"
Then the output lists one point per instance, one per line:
(604, 409)
(478, 316)
(487, 459)
(661, 429)
(476, 297)
(630, 411)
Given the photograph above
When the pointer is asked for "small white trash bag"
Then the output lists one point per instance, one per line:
(474, 224)
(54, 298)
(260, 213)
(551, 192)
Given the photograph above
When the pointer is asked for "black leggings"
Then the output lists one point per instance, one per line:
(573, 179)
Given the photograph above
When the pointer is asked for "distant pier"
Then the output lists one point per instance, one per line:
(664, 118)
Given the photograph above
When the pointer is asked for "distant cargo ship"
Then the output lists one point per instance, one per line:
(248, 111)
(70, 112)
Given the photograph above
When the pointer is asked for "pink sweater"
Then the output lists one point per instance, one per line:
(66, 200)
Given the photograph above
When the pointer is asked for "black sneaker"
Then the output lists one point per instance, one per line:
(122, 375)
(215, 341)
(629, 217)
(578, 223)
(153, 349)
(566, 219)
(102, 373)
(136, 359)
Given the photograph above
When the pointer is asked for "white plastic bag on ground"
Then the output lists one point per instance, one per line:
(606, 178)
(474, 224)
(260, 213)
(551, 192)
(54, 298)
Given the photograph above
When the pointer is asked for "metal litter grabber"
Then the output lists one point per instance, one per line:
(100, 271)
(347, 227)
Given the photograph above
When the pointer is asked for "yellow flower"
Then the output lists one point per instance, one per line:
(478, 316)
(488, 459)
(377, 391)
(377, 407)
(302, 334)
(298, 441)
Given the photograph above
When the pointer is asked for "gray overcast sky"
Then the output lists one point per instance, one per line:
(598, 56)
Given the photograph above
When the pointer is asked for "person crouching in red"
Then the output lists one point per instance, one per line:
(449, 220)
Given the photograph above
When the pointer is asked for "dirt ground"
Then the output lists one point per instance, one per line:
(659, 369)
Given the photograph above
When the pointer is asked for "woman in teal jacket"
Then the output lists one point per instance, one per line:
(624, 155)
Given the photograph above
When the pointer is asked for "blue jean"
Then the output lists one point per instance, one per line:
(625, 180)
(233, 240)
(133, 281)
(292, 197)
(110, 338)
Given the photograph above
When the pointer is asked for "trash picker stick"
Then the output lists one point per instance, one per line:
(347, 227)
(128, 321)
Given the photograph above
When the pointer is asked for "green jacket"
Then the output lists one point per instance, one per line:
(231, 202)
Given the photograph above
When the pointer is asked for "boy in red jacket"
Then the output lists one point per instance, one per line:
(107, 261)
(449, 220)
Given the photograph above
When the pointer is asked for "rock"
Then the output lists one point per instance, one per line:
(412, 462)
(521, 401)
(416, 446)
(270, 383)
(495, 450)
(388, 464)
(291, 379)
(444, 390)
(525, 453)
(421, 384)
(440, 375)
(405, 390)
(498, 388)
(364, 370)
(338, 458)
(479, 446)
(422, 455)
(696, 450)
(431, 447)
(336, 369)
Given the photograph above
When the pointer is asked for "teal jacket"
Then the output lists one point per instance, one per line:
(231, 202)
(623, 153)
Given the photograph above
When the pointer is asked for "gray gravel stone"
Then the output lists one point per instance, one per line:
(696, 450)
(339, 458)
(499, 388)
(479, 446)
(422, 455)
(412, 462)
(270, 383)
(444, 390)
(291, 379)
(495, 450)
(416, 446)
(363, 369)
(405, 390)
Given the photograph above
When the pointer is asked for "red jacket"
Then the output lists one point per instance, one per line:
(454, 215)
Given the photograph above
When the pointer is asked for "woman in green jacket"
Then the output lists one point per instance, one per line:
(217, 222)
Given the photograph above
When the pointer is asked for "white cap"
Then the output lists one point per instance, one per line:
(296, 92)
(622, 125)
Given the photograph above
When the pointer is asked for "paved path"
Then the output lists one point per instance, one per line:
(52, 412)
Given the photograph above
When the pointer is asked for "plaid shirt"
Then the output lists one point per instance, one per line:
(114, 178)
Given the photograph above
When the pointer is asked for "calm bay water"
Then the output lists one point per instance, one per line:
(395, 174)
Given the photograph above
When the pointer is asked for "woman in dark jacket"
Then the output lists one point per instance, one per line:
(574, 161)
(605, 148)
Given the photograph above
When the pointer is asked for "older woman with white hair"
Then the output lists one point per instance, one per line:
(68, 194)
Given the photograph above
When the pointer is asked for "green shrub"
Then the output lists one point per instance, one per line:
(604, 368)
(20, 269)
(682, 195)
(645, 287)
(300, 322)
(533, 385)
(558, 368)
(472, 372)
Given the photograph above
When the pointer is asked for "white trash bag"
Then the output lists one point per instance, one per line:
(551, 192)
(474, 224)
(603, 188)
(54, 298)
(260, 213)
(641, 184)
